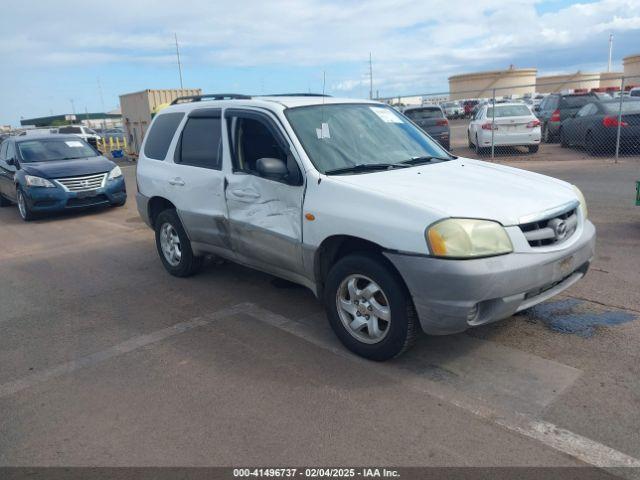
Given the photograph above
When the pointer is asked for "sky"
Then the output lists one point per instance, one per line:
(64, 55)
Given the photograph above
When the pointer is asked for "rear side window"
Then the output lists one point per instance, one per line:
(160, 135)
(200, 144)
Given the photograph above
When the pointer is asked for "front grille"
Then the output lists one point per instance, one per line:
(87, 202)
(83, 184)
(549, 230)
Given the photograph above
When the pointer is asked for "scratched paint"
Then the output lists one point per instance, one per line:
(577, 317)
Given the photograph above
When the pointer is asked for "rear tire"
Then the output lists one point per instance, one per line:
(533, 148)
(478, 148)
(469, 142)
(563, 139)
(174, 246)
(546, 135)
(590, 145)
(362, 285)
(4, 202)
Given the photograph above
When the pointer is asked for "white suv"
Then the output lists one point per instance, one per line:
(352, 200)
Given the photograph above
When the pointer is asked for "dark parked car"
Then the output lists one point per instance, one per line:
(56, 172)
(557, 107)
(469, 106)
(595, 126)
(432, 120)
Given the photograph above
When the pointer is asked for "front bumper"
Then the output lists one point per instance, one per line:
(451, 296)
(56, 199)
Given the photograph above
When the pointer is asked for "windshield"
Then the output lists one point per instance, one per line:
(509, 111)
(344, 135)
(46, 150)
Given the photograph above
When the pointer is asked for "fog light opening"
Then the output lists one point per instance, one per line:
(473, 313)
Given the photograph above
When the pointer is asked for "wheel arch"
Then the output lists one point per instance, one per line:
(335, 247)
(156, 206)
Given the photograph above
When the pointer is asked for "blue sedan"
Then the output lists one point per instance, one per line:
(52, 173)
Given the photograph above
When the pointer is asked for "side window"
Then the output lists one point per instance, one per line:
(160, 135)
(252, 138)
(11, 150)
(3, 150)
(200, 143)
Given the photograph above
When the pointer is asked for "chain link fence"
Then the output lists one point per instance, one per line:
(595, 115)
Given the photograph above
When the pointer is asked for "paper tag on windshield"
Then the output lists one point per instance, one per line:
(323, 131)
(74, 143)
(386, 115)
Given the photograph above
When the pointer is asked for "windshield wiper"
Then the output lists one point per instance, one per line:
(423, 159)
(364, 167)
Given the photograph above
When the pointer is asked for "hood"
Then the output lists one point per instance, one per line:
(468, 188)
(68, 168)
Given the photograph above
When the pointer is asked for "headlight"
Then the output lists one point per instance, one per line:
(467, 238)
(583, 202)
(115, 173)
(32, 181)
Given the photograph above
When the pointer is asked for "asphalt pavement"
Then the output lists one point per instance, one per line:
(105, 359)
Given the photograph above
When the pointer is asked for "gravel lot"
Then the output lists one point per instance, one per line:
(107, 360)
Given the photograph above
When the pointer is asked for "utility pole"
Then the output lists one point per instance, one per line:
(610, 50)
(370, 78)
(104, 121)
(178, 56)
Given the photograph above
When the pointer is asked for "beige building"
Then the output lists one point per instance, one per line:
(631, 65)
(510, 82)
(137, 109)
(571, 81)
(610, 79)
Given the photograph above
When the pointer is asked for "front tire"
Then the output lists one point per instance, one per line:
(369, 308)
(174, 246)
(23, 207)
(533, 148)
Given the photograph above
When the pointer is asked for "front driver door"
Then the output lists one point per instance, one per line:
(264, 215)
(7, 172)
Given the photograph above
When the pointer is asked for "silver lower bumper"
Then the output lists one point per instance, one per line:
(453, 295)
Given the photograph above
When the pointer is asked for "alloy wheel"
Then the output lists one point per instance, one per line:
(363, 308)
(170, 244)
(22, 206)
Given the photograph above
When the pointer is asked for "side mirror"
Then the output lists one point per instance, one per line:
(536, 108)
(272, 168)
(11, 161)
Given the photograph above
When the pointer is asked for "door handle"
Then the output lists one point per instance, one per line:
(245, 193)
(177, 182)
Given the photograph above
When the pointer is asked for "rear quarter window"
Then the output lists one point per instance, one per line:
(160, 135)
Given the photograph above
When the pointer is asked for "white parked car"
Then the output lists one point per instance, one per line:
(87, 134)
(352, 200)
(634, 92)
(513, 124)
(452, 109)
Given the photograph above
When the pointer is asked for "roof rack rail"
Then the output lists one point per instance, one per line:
(296, 95)
(210, 96)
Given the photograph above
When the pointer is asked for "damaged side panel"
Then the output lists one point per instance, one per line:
(265, 221)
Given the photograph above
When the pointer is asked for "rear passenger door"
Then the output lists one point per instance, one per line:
(197, 180)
